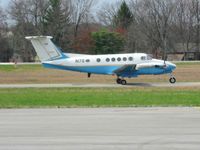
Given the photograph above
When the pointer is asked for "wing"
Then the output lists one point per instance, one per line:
(131, 70)
(126, 69)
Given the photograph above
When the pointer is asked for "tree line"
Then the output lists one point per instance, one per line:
(156, 27)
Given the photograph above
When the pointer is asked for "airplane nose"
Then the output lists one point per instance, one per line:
(172, 66)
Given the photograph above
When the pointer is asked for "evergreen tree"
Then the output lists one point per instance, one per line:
(106, 42)
(124, 17)
(55, 21)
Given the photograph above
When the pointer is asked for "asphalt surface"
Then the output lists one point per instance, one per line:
(100, 129)
(178, 84)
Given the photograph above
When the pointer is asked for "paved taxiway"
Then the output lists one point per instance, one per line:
(178, 84)
(100, 129)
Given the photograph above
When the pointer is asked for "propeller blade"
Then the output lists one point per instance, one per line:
(165, 65)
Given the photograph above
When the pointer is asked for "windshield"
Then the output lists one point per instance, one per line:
(149, 57)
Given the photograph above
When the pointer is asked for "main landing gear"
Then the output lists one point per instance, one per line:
(121, 81)
(172, 79)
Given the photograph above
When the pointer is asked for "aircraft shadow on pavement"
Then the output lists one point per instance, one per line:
(140, 84)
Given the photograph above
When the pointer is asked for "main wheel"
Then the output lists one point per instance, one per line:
(172, 80)
(118, 81)
(123, 82)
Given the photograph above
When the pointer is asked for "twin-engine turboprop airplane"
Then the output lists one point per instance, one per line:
(121, 65)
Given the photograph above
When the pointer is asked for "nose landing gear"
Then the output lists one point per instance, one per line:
(172, 79)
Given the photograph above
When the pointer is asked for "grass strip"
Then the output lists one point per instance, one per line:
(88, 97)
(21, 67)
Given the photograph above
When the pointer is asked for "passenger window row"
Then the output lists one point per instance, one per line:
(118, 59)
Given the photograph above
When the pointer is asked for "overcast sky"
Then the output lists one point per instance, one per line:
(4, 3)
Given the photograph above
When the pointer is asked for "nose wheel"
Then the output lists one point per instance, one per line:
(172, 79)
(121, 81)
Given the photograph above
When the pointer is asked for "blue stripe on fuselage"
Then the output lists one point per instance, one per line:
(86, 69)
(110, 70)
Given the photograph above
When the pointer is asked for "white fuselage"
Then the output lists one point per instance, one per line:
(107, 64)
(122, 65)
(105, 60)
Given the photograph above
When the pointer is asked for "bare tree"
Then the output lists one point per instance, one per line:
(3, 23)
(158, 24)
(155, 21)
(107, 13)
(196, 11)
(2, 16)
(5, 50)
(184, 23)
(20, 13)
(36, 10)
(80, 11)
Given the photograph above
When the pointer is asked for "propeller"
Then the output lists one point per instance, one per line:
(165, 65)
(165, 58)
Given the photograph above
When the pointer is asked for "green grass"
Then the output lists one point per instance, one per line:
(19, 68)
(187, 63)
(107, 97)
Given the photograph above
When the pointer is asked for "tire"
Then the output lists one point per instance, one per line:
(118, 81)
(172, 80)
(123, 82)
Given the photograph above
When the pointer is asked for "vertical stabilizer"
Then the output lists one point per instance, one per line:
(45, 48)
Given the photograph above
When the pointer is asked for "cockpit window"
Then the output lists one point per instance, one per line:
(149, 57)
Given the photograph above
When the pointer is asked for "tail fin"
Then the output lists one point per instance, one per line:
(45, 48)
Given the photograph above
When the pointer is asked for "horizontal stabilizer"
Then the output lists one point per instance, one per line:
(38, 37)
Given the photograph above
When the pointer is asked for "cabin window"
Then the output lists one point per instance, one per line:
(98, 60)
(124, 59)
(113, 59)
(119, 59)
(87, 60)
(108, 59)
(130, 58)
(143, 58)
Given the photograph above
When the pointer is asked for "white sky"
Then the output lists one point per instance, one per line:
(99, 3)
(4, 3)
